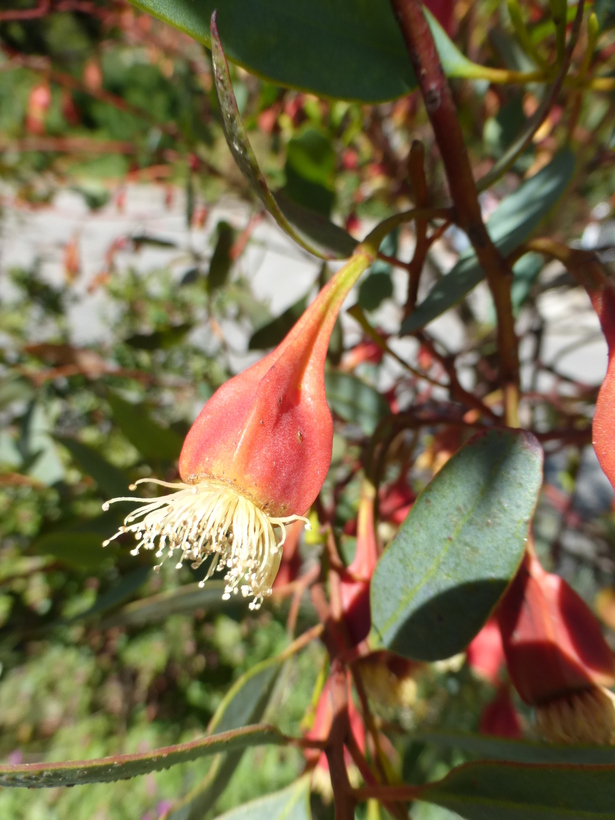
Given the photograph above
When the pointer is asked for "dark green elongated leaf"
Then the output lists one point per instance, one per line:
(310, 169)
(160, 339)
(513, 221)
(244, 703)
(151, 439)
(184, 599)
(515, 791)
(521, 751)
(374, 289)
(273, 332)
(121, 590)
(123, 767)
(79, 543)
(111, 480)
(525, 273)
(292, 803)
(309, 229)
(605, 12)
(439, 579)
(378, 284)
(355, 401)
(221, 262)
(345, 49)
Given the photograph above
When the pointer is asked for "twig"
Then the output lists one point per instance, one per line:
(443, 116)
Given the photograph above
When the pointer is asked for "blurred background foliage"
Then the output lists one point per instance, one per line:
(98, 653)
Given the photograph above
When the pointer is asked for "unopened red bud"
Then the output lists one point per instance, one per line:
(485, 655)
(552, 641)
(354, 589)
(500, 717)
(603, 426)
(255, 458)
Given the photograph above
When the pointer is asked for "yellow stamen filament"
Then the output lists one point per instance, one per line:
(587, 716)
(207, 519)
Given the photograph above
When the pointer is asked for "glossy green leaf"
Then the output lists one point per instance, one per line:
(243, 704)
(122, 767)
(310, 230)
(513, 221)
(439, 579)
(272, 333)
(520, 751)
(111, 480)
(355, 401)
(292, 803)
(151, 439)
(514, 791)
(345, 49)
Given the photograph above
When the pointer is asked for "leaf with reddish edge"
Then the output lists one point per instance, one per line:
(520, 751)
(123, 767)
(310, 230)
(437, 582)
(515, 791)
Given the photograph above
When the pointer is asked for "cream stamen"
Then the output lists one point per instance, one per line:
(209, 519)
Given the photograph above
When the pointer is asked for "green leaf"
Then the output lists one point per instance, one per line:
(520, 751)
(355, 401)
(38, 447)
(151, 439)
(605, 12)
(123, 767)
(79, 549)
(15, 388)
(79, 543)
(221, 262)
(345, 49)
(292, 803)
(439, 579)
(514, 791)
(378, 284)
(272, 333)
(122, 589)
(310, 169)
(513, 221)
(310, 230)
(160, 339)
(244, 703)
(525, 273)
(110, 479)
(184, 599)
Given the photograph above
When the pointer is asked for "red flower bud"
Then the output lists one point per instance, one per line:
(556, 655)
(603, 428)
(500, 717)
(485, 655)
(254, 459)
(355, 588)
